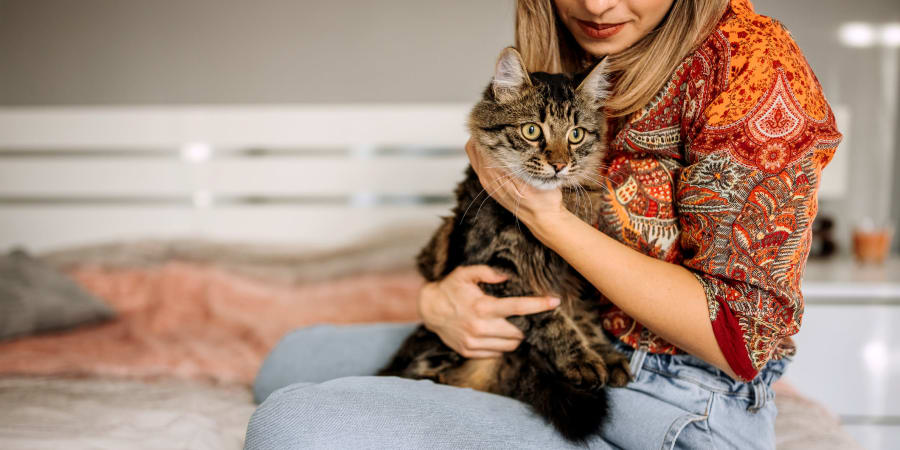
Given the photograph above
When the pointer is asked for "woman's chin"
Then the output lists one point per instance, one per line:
(609, 46)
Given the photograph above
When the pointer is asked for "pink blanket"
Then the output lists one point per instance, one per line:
(198, 321)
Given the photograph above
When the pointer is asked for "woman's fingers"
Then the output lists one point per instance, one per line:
(474, 156)
(489, 339)
(491, 178)
(516, 306)
(477, 354)
(492, 344)
(518, 189)
(495, 328)
(481, 273)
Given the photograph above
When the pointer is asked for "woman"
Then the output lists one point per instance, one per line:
(719, 133)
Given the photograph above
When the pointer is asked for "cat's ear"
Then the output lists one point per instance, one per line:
(595, 85)
(510, 76)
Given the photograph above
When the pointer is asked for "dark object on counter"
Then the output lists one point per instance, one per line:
(823, 244)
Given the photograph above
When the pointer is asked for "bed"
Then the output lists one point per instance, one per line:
(210, 233)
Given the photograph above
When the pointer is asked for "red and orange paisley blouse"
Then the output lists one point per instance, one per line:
(719, 173)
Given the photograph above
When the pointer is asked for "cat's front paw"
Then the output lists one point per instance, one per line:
(619, 370)
(591, 374)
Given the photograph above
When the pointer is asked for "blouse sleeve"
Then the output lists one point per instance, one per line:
(747, 198)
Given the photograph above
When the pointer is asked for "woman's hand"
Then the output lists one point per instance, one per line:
(471, 322)
(527, 202)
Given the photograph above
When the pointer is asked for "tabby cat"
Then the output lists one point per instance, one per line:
(549, 130)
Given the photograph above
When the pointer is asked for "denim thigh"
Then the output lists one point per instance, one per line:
(320, 353)
(688, 403)
(674, 401)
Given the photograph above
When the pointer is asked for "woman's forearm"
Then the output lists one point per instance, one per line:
(664, 297)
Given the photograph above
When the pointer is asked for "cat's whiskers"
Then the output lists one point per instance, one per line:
(574, 190)
(589, 173)
(607, 168)
(490, 194)
(516, 214)
(578, 189)
(470, 205)
(578, 194)
(599, 183)
(590, 202)
(483, 190)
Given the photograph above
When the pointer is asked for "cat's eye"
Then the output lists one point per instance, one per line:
(531, 131)
(576, 135)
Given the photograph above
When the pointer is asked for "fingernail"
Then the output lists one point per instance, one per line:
(554, 302)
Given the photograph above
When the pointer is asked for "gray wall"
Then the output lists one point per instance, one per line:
(261, 51)
(265, 51)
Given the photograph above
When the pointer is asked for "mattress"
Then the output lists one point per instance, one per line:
(38, 412)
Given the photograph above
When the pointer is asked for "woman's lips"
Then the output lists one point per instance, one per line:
(598, 31)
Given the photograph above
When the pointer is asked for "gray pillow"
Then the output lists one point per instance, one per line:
(36, 297)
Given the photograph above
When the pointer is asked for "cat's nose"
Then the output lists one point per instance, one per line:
(558, 166)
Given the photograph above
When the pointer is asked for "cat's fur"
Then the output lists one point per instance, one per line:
(565, 360)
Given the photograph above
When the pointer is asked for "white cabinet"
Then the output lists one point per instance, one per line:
(848, 348)
(849, 357)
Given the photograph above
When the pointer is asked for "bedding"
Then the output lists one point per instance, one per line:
(34, 297)
(107, 413)
(195, 319)
(803, 424)
(41, 412)
(200, 322)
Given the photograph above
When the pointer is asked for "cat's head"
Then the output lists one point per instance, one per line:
(547, 129)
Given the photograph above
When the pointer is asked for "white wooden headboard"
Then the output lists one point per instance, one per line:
(315, 174)
(311, 174)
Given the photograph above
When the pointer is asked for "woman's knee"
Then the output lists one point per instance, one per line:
(280, 420)
(281, 366)
(390, 412)
(350, 412)
(323, 352)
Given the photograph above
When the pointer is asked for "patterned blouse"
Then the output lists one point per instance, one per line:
(719, 173)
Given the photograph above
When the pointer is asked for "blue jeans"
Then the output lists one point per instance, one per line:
(317, 391)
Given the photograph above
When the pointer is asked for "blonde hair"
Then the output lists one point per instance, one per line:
(641, 70)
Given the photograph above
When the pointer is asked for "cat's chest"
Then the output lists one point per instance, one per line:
(495, 239)
(495, 230)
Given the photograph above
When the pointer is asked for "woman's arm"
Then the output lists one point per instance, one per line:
(664, 297)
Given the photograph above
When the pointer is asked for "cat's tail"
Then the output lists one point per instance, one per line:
(577, 412)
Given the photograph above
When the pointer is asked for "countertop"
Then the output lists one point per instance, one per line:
(841, 279)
